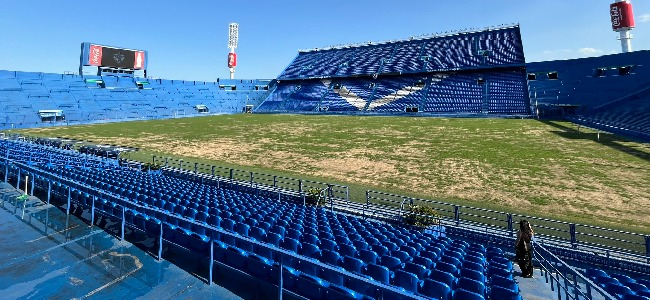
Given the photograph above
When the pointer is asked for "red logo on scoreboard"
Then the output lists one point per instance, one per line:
(232, 60)
(138, 62)
(95, 56)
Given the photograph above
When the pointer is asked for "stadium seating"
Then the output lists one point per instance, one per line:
(91, 99)
(619, 285)
(402, 267)
(474, 73)
(461, 50)
(499, 92)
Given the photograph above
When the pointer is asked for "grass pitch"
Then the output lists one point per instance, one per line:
(546, 169)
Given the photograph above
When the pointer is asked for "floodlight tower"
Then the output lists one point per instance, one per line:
(623, 22)
(233, 39)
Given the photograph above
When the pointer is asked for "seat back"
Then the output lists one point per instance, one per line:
(436, 289)
(406, 280)
(461, 294)
(379, 273)
(497, 292)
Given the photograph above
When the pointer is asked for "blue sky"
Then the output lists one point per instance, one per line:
(187, 39)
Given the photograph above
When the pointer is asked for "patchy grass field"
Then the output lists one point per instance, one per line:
(546, 169)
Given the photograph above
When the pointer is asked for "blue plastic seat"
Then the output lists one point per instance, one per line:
(436, 289)
(407, 281)
(368, 256)
(635, 297)
(327, 244)
(472, 274)
(242, 229)
(430, 255)
(341, 292)
(331, 257)
(472, 286)
(474, 266)
(363, 286)
(498, 292)
(308, 267)
(410, 250)
(403, 256)
(461, 294)
(352, 264)
(391, 246)
(451, 260)
(501, 262)
(219, 251)
(444, 277)
(312, 287)
(227, 224)
(333, 277)
(259, 266)
(360, 245)
(380, 250)
(504, 282)
(289, 277)
(426, 262)
(378, 273)
(257, 233)
(618, 290)
(434, 249)
(310, 250)
(496, 270)
(325, 235)
(264, 225)
(390, 262)
(623, 279)
(279, 230)
(476, 259)
(446, 267)
(419, 270)
(293, 233)
(290, 244)
(310, 239)
(636, 287)
(236, 257)
(273, 239)
(347, 250)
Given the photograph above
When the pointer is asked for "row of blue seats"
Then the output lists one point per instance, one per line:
(620, 285)
(357, 243)
(442, 53)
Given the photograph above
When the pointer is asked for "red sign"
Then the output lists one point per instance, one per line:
(138, 62)
(95, 56)
(622, 15)
(232, 60)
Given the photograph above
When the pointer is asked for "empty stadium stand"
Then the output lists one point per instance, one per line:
(609, 92)
(329, 253)
(478, 73)
(29, 99)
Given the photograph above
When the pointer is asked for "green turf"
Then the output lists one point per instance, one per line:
(546, 169)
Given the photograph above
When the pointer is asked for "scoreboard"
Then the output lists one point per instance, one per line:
(106, 56)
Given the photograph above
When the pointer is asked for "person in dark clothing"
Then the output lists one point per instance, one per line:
(524, 249)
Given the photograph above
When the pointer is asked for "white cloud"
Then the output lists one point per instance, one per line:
(588, 51)
(644, 18)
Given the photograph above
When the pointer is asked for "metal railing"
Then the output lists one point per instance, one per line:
(566, 281)
(254, 179)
